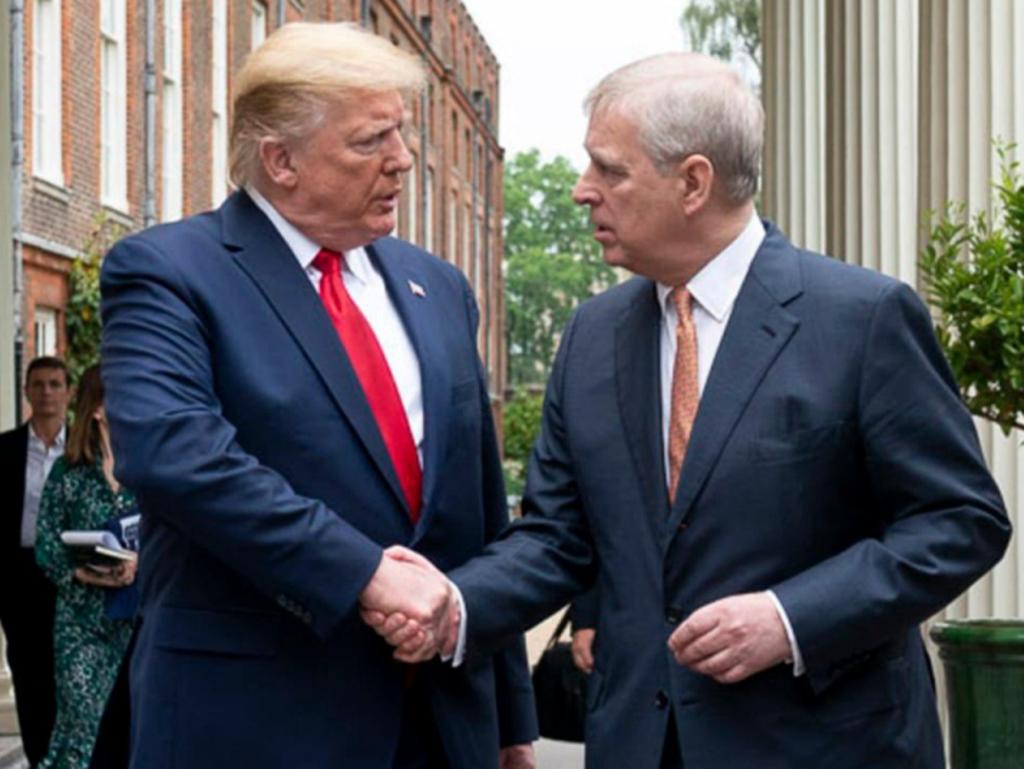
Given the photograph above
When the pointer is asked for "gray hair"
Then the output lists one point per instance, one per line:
(286, 84)
(685, 104)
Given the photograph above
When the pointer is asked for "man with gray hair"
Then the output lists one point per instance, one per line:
(290, 391)
(757, 451)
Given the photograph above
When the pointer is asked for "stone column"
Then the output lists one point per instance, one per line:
(793, 88)
(8, 389)
(871, 150)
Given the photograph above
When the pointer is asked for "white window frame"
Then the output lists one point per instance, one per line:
(453, 230)
(258, 22)
(413, 201)
(172, 150)
(219, 106)
(44, 323)
(113, 106)
(428, 213)
(47, 87)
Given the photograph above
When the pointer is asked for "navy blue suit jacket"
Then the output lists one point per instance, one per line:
(267, 495)
(831, 461)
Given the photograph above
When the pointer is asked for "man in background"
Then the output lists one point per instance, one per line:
(27, 599)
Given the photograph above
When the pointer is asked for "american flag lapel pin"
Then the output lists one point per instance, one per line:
(417, 289)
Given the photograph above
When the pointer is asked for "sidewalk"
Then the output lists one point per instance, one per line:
(11, 756)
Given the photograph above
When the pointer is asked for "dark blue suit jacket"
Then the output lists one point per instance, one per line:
(831, 461)
(267, 495)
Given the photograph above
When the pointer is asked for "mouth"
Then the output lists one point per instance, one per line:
(603, 234)
(389, 201)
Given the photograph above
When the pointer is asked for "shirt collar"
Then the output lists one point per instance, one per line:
(357, 261)
(717, 285)
(57, 443)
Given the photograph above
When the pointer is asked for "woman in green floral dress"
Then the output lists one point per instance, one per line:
(82, 493)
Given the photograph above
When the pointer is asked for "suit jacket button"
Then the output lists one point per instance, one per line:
(660, 700)
(673, 615)
(681, 527)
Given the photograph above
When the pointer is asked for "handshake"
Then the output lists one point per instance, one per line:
(412, 605)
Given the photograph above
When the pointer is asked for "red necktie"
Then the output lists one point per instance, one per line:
(374, 375)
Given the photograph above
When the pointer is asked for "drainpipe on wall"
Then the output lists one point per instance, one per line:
(364, 12)
(426, 30)
(149, 201)
(17, 164)
(281, 12)
(488, 181)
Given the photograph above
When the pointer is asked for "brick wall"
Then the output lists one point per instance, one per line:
(459, 62)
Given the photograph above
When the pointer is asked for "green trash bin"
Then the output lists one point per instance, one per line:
(984, 665)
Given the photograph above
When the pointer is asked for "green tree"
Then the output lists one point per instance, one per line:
(552, 261)
(726, 29)
(83, 307)
(973, 270)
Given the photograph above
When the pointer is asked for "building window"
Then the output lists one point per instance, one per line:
(428, 213)
(45, 324)
(413, 201)
(453, 237)
(172, 164)
(259, 24)
(113, 106)
(219, 140)
(46, 92)
(467, 249)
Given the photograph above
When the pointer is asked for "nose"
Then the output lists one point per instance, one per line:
(583, 193)
(399, 159)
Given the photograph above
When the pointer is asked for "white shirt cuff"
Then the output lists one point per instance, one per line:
(459, 655)
(794, 647)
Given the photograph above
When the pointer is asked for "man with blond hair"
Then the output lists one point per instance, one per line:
(758, 451)
(290, 391)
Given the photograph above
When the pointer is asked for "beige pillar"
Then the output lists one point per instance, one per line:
(872, 134)
(8, 391)
(972, 92)
(794, 94)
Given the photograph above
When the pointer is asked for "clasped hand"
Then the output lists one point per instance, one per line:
(412, 605)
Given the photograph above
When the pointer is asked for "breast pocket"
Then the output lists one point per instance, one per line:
(801, 445)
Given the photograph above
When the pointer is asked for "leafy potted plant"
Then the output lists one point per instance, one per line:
(973, 270)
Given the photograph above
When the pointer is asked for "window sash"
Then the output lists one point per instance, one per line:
(47, 150)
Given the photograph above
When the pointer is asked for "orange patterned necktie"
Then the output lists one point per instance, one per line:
(685, 390)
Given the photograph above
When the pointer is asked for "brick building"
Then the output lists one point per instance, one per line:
(138, 130)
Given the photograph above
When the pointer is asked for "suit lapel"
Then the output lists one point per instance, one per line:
(419, 316)
(264, 256)
(638, 391)
(758, 330)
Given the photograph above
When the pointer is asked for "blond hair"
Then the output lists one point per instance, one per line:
(285, 85)
(685, 104)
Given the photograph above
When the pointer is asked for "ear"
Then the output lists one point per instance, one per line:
(278, 164)
(696, 177)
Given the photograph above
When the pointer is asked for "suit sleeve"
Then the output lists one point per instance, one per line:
(542, 559)
(517, 714)
(180, 456)
(943, 523)
(583, 611)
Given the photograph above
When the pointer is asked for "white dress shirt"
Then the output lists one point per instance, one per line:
(38, 463)
(368, 290)
(714, 290)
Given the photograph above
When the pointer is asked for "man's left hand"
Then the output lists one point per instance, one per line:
(517, 757)
(732, 638)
